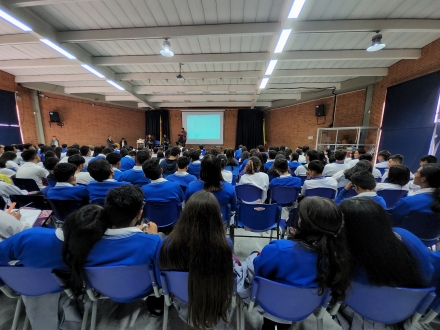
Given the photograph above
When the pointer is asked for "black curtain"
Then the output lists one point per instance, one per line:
(152, 123)
(408, 121)
(165, 122)
(8, 116)
(249, 128)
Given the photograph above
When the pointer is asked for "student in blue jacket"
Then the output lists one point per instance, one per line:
(426, 199)
(160, 189)
(315, 257)
(96, 236)
(198, 245)
(115, 161)
(66, 187)
(363, 183)
(211, 180)
(285, 179)
(182, 177)
(136, 175)
(127, 160)
(102, 172)
(194, 166)
(394, 257)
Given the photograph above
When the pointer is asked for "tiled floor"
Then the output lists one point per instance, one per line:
(135, 316)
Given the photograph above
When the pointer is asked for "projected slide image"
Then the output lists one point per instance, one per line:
(203, 127)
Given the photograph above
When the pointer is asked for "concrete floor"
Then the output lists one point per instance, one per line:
(112, 316)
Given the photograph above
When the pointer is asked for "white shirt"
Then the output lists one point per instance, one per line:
(383, 164)
(300, 171)
(320, 182)
(413, 188)
(366, 194)
(422, 191)
(340, 177)
(302, 159)
(54, 143)
(64, 160)
(7, 190)
(260, 180)
(87, 159)
(10, 226)
(353, 162)
(376, 173)
(347, 160)
(63, 155)
(12, 164)
(333, 168)
(30, 170)
(83, 178)
(227, 176)
(7, 172)
(390, 186)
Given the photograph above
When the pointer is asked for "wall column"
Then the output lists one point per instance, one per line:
(37, 114)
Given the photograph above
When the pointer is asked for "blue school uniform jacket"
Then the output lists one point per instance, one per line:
(163, 190)
(293, 165)
(286, 181)
(194, 169)
(420, 202)
(183, 180)
(78, 193)
(225, 196)
(117, 174)
(127, 163)
(135, 176)
(98, 190)
(344, 193)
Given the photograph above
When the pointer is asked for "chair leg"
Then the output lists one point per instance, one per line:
(17, 313)
(242, 314)
(320, 323)
(26, 323)
(84, 320)
(94, 312)
(165, 316)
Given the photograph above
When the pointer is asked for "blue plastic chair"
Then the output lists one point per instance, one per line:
(382, 170)
(120, 284)
(286, 197)
(434, 310)
(51, 182)
(176, 284)
(248, 193)
(321, 192)
(425, 226)
(34, 201)
(292, 170)
(258, 218)
(18, 281)
(287, 302)
(163, 214)
(387, 305)
(234, 180)
(62, 208)
(303, 178)
(391, 197)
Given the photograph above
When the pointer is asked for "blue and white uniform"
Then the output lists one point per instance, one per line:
(182, 178)
(420, 201)
(194, 168)
(224, 197)
(163, 190)
(66, 191)
(135, 176)
(343, 194)
(333, 168)
(319, 182)
(127, 163)
(98, 190)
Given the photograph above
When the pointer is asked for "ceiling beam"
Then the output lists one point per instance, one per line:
(18, 39)
(380, 72)
(120, 98)
(211, 104)
(193, 58)
(170, 32)
(323, 55)
(193, 88)
(97, 89)
(311, 85)
(188, 75)
(368, 25)
(40, 63)
(204, 97)
(33, 3)
(57, 77)
(264, 96)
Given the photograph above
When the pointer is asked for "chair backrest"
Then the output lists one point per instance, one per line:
(226, 212)
(121, 283)
(425, 226)
(292, 170)
(62, 208)
(386, 304)
(321, 192)
(51, 182)
(248, 192)
(287, 302)
(37, 201)
(26, 184)
(391, 197)
(284, 195)
(234, 169)
(28, 281)
(163, 214)
(234, 180)
(378, 179)
(2, 203)
(258, 217)
(303, 178)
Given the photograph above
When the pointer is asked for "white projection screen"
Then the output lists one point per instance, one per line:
(203, 127)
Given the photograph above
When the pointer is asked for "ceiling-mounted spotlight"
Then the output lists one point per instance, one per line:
(377, 43)
(179, 76)
(166, 49)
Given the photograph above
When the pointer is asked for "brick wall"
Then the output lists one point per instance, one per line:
(403, 71)
(292, 126)
(229, 129)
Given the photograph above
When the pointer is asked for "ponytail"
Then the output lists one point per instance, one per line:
(250, 168)
(82, 229)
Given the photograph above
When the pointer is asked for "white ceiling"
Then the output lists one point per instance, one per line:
(223, 43)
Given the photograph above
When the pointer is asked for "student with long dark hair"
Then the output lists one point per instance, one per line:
(380, 255)
(343, 177)
(316, 256)
(230, 160)
(398, 178)
(254, 177)
(426, 199)
(244, 159)
(211, 180)
(7, 160)
(198, 246)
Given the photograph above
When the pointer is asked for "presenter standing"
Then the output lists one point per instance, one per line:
(109, 141)
(165, 142)
(149, 141)
(182, 137)
(123, 143)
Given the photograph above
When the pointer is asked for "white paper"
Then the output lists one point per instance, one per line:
(29, 216)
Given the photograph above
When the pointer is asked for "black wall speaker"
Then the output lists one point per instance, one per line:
(54, 116)
(320, 110)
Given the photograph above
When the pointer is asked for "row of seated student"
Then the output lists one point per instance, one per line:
(326, 251)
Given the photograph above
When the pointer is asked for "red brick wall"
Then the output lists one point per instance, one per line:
(229, 130)
(403, 71)
(291, 126)
(7, 82)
